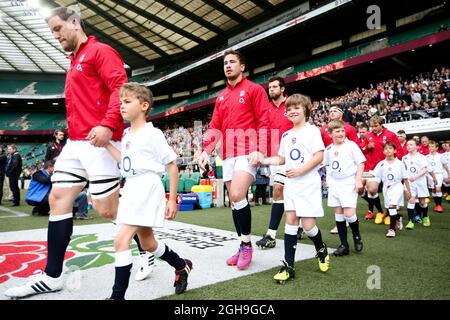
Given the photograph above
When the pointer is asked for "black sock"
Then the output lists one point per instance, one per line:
(236, 222)
(290, 245)
(377, 204)
(370, 202)
(417, 210)
(411, 214)
(244, 217)
(138, 243)
(342, 230)
(438, 201)
(172, 258)
(275, 215)
(424, 211)
(355, 229)
(58, 238)
(317, 240)
(393, 221)
(121, 282)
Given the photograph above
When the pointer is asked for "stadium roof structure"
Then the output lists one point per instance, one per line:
(147, 33)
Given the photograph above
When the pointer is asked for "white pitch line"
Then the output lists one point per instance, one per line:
(16, 213)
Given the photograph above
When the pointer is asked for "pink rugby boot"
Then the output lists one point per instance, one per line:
(245, 257)
(233, 260)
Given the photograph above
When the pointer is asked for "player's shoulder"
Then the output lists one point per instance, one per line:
(349, 127)
(152, 130)
(381, 163)
(102, 46)
(252, 85)
(420, 156)
(350, 143)
(312, 128)
(285, 134)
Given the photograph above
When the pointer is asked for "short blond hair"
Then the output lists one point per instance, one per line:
(376, 120)
(299, 99)
(139, 91)
(335, 124)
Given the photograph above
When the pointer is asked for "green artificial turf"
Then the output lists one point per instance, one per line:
(414, 265)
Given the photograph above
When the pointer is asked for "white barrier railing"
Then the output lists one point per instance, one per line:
(420, 126)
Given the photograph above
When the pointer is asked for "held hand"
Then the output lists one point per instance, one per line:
(359, 187)
(412, 179)
(99, 136)
(370, 145)
(171, 209)
(408, 195)
(265, 162)
(203, 159)
(255, 158)
(293, 173)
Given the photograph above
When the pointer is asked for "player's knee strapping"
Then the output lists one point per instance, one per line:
(101, 187)
(279, 179)
(69, 178)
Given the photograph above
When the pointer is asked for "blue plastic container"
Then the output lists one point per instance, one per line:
(185, 207)
(188, 198)
(204, 193)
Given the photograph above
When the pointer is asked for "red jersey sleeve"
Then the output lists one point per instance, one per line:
(261, 110)
(110, 67)
(325, 135)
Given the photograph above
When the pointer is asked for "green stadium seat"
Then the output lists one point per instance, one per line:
(191, 180)
(181, 182)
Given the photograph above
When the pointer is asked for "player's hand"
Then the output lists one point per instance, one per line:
(408, 195)
(412, 179)
(370, 145)
(99, 136)
(359, 187)
(171, 209)
(203, 159)
(255, 158)
(293, 173)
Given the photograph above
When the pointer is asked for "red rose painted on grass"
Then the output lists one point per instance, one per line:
(22, 258)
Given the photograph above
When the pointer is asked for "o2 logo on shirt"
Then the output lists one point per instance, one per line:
(390, 177)
(296, 154)
(335, 166)
(126, 164)
(413, 169)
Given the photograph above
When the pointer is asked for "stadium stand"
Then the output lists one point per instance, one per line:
(162, 108)
(31, 87)
(32, 121)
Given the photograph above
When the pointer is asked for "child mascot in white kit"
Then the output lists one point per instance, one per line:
(301, 149)
(144, 156)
